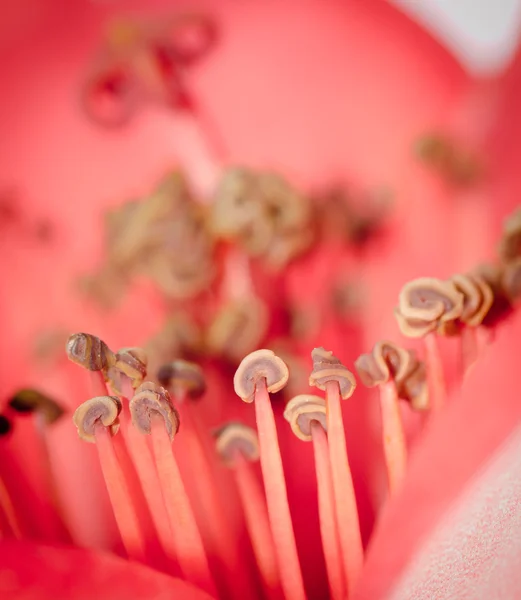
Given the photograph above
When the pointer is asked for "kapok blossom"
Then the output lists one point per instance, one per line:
(194, 507)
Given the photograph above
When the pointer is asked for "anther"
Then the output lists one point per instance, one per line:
(457, 165)
(149, 400)
(301, 411)
(387, 361)
(183, 378)
(103, 409)
(132, 362)
(257, 366)
(425, 302)
(235, 438)
(328, 368)
(29, 400)
(237, 329)
(89, 352)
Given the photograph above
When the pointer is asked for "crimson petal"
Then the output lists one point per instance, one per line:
(36, 572)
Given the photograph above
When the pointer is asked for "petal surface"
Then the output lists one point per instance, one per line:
(34, 572)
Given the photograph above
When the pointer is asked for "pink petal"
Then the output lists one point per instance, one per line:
(452, 450)
(34, 572)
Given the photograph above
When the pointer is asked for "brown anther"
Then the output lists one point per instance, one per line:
(301, 411)
(132, 362)
(268, 217)
(456, 164)
(510, 244)
(234, 438)
(237, 329)
(326, 368)
(491, 275)
(28, 400)
(428, 299)
(102, 409)
(511, 281)
(90, 352)
(414, 389)
(261, 364)
(151, 399)
(413, 327)
(385, 361)
(182, 377)
(477, 298)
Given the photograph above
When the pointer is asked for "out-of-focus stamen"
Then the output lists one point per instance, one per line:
(307, 417)
(186, 382)
(153, 413)
(238, 446)
(330, 375)
(97, 421)
(391, 367)
(46, 412)
(258, 374)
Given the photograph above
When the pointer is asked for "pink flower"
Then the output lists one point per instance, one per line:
(321, 93)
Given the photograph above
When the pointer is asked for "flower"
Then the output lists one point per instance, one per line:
(386, 97)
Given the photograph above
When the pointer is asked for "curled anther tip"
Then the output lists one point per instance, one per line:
(151, 400)
(234, 438)
(413, 328)
(102, 409)
(29, 400)
(478, 298)
(327, 368)
(301, 411)
(511, 280)
(258, 365)
(430, 300)
(183, 377)
(387, 360)
(89, 352)
(132, 362)
(237, 329)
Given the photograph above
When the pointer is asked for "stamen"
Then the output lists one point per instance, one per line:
(97, 421)
(337, 381)
(46, 412)
(238, 446)
(259, 373)
(186, 380)
(131, 363)
(307, 417)
(389, 366)
(153, 414)
(89, 352)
